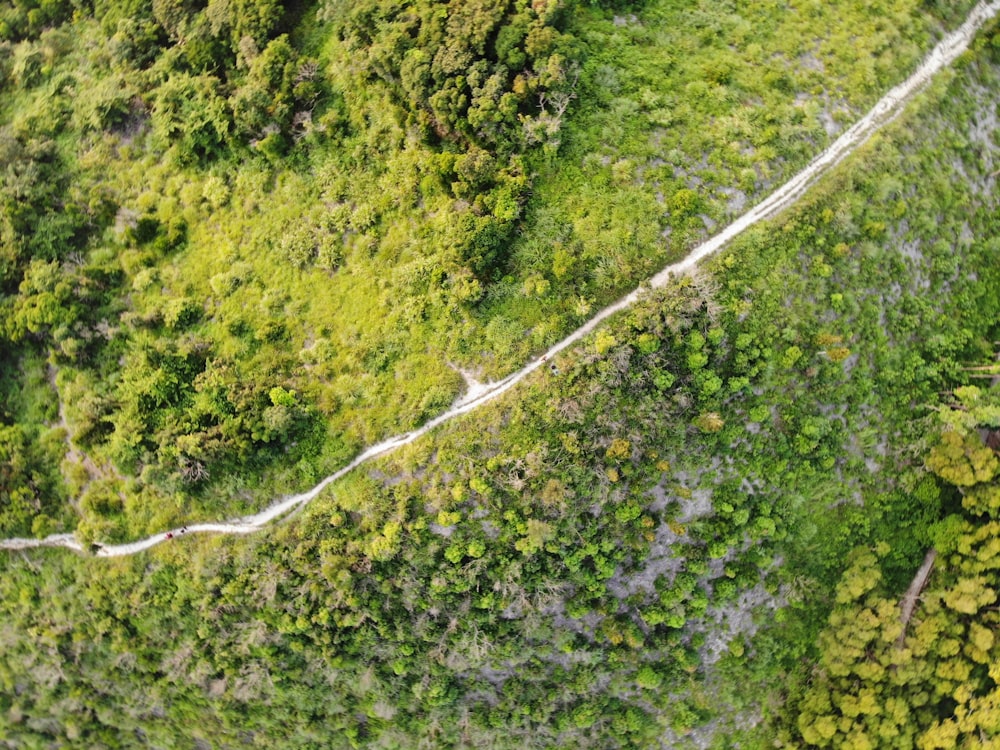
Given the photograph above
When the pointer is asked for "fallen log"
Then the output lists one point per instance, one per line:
(909, 601)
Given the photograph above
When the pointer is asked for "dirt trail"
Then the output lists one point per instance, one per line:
(887, 109)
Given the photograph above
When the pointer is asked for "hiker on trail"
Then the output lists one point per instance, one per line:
(170, 535)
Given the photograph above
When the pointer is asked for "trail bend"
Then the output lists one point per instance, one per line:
(885, 110)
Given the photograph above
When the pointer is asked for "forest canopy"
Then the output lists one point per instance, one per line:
(927, 680)
(242, 241)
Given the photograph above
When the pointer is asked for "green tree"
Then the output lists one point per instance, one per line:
(189, 111)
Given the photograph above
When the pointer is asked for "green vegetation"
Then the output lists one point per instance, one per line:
(258, 242)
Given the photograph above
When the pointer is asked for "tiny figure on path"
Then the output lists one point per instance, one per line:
(170, 535)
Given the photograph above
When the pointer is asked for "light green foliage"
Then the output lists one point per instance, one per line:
(619, 449)
(448, 518)
(280, 397)
(791, 356)
(962, 461)
(44, 302)
(603, 341)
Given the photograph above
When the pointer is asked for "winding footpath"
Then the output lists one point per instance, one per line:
(887, 109)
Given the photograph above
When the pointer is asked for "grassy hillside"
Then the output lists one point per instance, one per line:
(637, 549)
